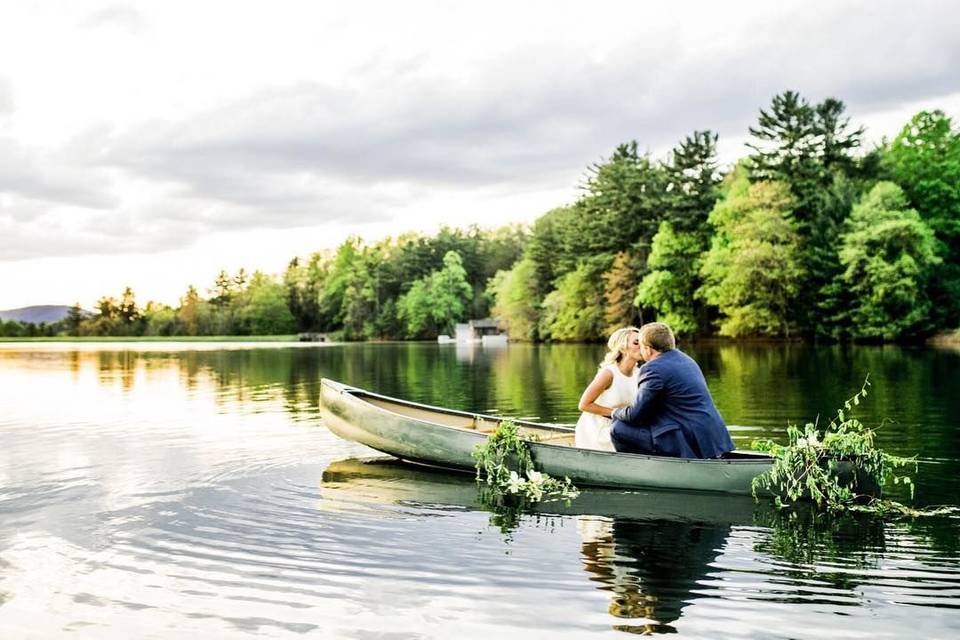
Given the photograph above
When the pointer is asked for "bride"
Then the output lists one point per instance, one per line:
(615, 385)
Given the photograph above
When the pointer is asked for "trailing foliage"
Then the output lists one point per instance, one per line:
(504, 467)
(839, 468)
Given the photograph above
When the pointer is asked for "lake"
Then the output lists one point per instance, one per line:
(168, 490)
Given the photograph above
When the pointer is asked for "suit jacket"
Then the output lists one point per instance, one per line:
(673, 396)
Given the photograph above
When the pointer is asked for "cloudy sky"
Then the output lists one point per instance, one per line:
(152, 144)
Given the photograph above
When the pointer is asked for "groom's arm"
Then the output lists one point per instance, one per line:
(648, 397)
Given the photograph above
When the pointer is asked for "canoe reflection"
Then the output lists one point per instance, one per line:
(386, 480)
(650, 550)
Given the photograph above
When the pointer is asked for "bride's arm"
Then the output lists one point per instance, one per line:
(600, 384)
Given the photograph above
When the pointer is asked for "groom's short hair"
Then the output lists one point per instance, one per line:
(657, 336)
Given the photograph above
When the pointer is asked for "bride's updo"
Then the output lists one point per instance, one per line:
(617, 345)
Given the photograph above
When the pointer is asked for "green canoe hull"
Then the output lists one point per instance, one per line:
(418, 433)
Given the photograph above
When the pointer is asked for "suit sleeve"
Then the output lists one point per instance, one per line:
(648, 397)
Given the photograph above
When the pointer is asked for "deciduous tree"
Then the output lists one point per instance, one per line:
(674, 278)
(888, 254)
(752, 272)
(574, 311)
(516, 304)
(924, 159)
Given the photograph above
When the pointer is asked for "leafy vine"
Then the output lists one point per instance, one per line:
(839, 468)
(505, 467)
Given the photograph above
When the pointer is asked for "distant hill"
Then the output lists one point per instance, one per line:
(40, 313)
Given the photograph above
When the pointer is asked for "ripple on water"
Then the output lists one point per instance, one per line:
(197, 493)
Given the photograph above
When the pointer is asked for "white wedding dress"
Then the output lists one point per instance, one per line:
(593, 431)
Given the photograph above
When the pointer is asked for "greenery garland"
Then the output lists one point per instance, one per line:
(838, 468)
(505, 467)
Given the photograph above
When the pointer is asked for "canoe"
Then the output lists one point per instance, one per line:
(447, 438)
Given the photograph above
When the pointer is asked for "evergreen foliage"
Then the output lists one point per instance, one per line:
(810, 148)
(622, 207)
(693, 181)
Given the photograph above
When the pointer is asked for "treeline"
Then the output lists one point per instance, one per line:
(17, 329)
(810, 235)
(409, 287)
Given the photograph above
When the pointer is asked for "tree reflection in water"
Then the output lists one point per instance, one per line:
(804, 537)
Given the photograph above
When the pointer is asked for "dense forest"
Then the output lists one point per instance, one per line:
(810, 235)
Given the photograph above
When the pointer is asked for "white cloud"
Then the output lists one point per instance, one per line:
(125, 17)
(159, 127)
(6, 97)
(51, 177)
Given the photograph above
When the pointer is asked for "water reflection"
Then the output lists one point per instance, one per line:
(193, 489)
(758, 388)
(652, 568)
(804, 536)
(656, 553)
(651, 558)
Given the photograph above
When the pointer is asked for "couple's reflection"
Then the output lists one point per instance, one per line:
(648, 550)
(652, 553)
(650, 567)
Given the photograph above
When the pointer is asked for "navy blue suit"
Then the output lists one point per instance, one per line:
(673, 414)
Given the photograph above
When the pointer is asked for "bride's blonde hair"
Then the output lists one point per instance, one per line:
(617, 345)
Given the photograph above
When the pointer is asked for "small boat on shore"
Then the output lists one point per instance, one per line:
(447, 438)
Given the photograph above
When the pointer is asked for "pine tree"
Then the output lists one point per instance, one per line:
(693, 180)
(74, 319)
(809, 147)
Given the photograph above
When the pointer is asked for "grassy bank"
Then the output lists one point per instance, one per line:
(283, 338)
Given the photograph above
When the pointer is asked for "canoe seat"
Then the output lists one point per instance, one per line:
(553, 438)
(484, 426)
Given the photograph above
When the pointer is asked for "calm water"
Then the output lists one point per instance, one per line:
(156, 491)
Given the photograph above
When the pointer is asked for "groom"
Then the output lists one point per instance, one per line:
(673, 414)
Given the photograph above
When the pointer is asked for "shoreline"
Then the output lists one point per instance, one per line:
(160, 339)
(947, 339)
